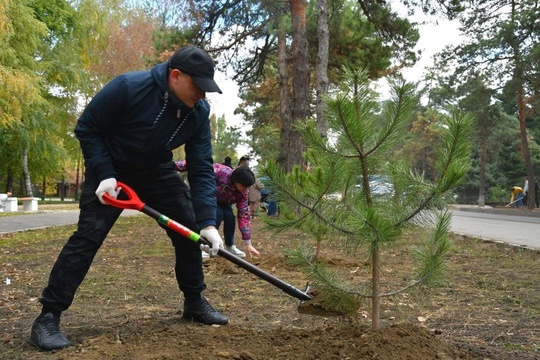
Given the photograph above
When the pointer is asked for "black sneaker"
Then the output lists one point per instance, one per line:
(46, 334)
(202, 312)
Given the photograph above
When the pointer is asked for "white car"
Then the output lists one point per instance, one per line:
(378, 184)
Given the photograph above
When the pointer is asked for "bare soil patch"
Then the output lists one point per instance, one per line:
(129, 306)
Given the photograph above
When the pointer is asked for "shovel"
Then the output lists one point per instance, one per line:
(133, 202)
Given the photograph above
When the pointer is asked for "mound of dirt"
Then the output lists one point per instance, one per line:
(182, 340)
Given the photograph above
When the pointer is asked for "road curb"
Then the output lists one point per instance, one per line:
(492, 210)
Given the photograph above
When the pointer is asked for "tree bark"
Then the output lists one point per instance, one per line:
(520, 99)
(26, 174)
(77, 178)
(301, 98)
(284, 95)
(482, 176)
(322, 65)
(62, 189)
(375, 290)
(44, 188)
(9, 181)
(525, 152)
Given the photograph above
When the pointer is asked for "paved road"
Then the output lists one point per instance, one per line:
(40, 220)
(517, 227)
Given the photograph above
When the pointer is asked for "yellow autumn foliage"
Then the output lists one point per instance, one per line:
(16, 91)
(18, 88)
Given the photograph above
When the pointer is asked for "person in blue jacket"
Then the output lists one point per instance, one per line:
(127, 133)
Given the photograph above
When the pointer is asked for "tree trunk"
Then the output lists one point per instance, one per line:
(284, 95)
(482, 176)
(301, 73)
(63, 189)
(9, 181)
(375, 290)
(520, 99)
(77, 179)
(525, 152)
(43, 188)
(26, 174)
(322, 65)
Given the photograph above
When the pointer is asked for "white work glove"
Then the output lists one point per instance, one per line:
(212, 235)
(107, 186)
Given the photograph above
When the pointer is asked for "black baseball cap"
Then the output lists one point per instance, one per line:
(198, 64)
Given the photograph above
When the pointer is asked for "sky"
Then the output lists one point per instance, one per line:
(433, 39)
(226, 103)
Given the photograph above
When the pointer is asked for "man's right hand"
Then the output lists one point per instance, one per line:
(107, 186)
(211, 234)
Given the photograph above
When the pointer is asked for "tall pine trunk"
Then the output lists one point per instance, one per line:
(322, 65)
(518, 76)
(482, 176)
(44, 187)
(77, 178)
(525, 152)
(301, 73)
(284, 94)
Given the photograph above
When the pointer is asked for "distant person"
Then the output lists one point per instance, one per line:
(244, 161)
(525, 191)
(536, 200)
(255, 197)
(272, 208)
(268, 198)
(516, 196)
(228, 162)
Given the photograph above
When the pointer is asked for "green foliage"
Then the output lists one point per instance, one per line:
(54, 55)
(430, 254)
(337, 195)
(38, 67)
(263, 140)
(498, 62)
(454, 153)
(370, 36)
(450, 8)
(498, 195)
(20, 36)
(225, 139)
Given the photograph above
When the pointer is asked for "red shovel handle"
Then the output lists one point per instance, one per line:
(133, 201)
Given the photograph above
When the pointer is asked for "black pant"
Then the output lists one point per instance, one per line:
(163, 190)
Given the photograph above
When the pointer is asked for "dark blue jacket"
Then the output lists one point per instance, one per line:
(134, 123)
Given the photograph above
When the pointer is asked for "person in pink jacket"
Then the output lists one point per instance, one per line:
(232, 187)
